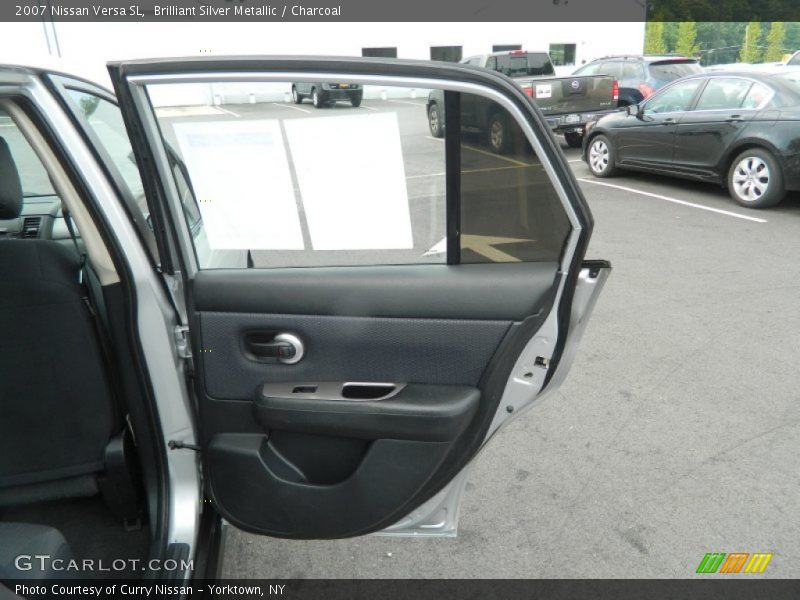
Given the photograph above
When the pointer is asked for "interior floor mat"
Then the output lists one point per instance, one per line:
(91, 531)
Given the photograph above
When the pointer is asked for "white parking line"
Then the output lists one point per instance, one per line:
(368, 107)
(420, 103)
(305, 110)
(229, 112)
(575, 160)
(673, 200)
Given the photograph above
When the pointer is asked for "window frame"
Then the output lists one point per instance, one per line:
(149, 139)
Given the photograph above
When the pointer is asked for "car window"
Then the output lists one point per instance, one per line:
(590, 69)
(675, 98)
(525, 64)
(33, 176)
(670, 71)
(723, 93)
(105, 119)
(756, 96)
(794, 60)
(613, 68)
(360, 181)
(632, 70)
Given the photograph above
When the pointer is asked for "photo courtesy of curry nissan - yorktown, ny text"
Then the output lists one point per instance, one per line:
(404, 300)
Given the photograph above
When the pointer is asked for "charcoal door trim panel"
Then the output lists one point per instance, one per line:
(339, 348)
(502, 292)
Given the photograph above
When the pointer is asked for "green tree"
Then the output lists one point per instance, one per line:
(751, 51)
(686, 44)
(775, 42)
(654, 38)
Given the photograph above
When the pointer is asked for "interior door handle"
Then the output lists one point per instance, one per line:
(283, 347)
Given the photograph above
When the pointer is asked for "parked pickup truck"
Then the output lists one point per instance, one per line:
(567, 103)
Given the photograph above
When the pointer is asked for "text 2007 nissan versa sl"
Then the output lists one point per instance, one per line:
(306, 324)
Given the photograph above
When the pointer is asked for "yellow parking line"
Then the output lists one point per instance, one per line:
(487, 169)
(519, 163)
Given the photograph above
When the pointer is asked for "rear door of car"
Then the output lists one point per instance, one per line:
(718, 118)
(404, 296)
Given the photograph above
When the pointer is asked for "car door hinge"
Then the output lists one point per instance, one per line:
(183, 345)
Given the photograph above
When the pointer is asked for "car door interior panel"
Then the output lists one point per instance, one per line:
(389, 379)
(350, 370)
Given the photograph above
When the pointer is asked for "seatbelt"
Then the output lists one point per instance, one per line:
(71, 229)
(118, 485)
(86, 278)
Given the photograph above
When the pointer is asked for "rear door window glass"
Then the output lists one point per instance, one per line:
(722, 94)
(756, 96)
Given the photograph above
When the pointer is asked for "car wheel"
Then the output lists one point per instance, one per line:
(499, 138)
(356, 101)
(755, 179)
(574, 139)
(600, 157)
(298, 99)
(315, 100)
(435, 123)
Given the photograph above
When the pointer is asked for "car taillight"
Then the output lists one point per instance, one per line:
(517, 52)
(646, 90)
(528, 91)
(615, 90)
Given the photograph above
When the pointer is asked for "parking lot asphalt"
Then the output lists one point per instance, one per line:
(675, 434)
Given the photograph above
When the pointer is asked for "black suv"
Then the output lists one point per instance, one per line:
(640, 76)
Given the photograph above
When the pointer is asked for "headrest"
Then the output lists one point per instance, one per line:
(10, 186)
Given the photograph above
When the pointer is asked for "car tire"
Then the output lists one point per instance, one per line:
(298, 99)
(755, 179)
(356, 101)
(435, 123)
(315, 100)
(574, 139)
(498, 134)
(600, 157)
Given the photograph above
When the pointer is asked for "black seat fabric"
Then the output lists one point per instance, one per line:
(56, 409)
(29, 541)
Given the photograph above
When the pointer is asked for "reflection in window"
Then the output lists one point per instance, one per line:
(562, 54)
